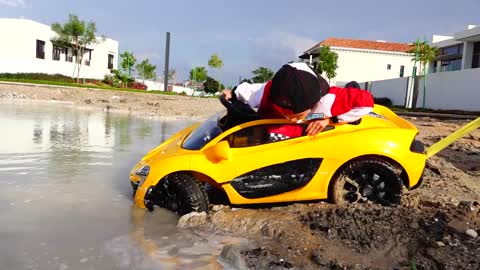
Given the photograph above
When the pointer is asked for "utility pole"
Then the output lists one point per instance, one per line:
(167, 57)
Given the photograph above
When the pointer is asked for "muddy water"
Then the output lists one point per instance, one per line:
(65, 199)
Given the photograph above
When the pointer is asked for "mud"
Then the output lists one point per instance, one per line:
(428, 230)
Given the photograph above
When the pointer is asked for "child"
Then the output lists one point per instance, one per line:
(298, 94)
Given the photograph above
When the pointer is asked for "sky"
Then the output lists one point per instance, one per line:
(247, 34)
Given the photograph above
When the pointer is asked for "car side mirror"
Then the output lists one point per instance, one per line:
(218, 152)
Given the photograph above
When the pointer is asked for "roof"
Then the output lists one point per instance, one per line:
(363, 44)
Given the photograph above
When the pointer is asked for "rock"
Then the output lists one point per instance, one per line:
(414, 225)
(218, 207)
(471, 233)
(232, 256)
(191, 220)
(440, 244)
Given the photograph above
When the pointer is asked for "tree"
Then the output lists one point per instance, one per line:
(198, 74)
(262, 74)
(146, 70)
(211, 85)
(128, 60)
(327, 62)
(426, 53)
(215, 62)
(77, 34)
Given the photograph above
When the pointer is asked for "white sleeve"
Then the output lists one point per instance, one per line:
(250, 93)
(354, 114)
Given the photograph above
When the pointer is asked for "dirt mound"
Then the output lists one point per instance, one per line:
(323, 236)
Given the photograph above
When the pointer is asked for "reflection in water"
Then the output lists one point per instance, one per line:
(66, 203)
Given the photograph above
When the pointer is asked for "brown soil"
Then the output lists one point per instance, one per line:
(428, 231)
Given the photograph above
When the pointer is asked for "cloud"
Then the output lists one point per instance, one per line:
(13, 3)
(278, 48)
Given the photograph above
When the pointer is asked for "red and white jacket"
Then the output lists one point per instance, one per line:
(342, 104)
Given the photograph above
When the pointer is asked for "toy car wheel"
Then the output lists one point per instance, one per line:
(371, 179)
(216, 195)
(184, 194)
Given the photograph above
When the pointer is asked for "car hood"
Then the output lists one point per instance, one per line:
(170, 147)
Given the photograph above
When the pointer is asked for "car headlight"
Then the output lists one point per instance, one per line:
(143, 173)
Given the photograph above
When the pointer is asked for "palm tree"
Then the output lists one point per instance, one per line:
(426, 54)
(217, 63)
(262, 74)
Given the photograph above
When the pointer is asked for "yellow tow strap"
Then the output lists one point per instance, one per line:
(443, 143)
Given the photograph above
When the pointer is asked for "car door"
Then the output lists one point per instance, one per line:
(260, 167)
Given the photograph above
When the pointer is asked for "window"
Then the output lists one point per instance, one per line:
(110, 61)
(68, 55)
(402, 70)
(389, 67)
(451, 65)
(258, 135)
(453, 50)
(89, 58)
(476, 55)
(56, 53)
(40, 49)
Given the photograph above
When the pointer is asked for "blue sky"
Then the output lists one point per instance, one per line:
(248, 33)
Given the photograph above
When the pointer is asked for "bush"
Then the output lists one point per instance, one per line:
(211, 85)
(383, 101)
(44, 77)
(137, 85)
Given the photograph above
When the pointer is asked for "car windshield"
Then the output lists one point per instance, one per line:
(204, 133)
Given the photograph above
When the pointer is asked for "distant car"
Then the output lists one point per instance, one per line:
(232, 154)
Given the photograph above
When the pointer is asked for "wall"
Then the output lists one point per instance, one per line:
(455, 90)
(152, 85)
(364, 65)
(18, 51)
(394, 89)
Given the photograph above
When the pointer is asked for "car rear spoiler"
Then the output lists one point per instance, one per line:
(390, 115)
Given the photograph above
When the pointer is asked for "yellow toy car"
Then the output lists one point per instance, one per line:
(370, 160)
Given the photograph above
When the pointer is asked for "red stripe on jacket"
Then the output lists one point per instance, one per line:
(347, 99)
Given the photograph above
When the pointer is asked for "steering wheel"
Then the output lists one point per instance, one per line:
(237, 112)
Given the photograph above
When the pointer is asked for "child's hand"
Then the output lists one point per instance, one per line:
(227, 93)
(316, 126)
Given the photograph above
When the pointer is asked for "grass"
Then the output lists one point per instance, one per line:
(89, 86)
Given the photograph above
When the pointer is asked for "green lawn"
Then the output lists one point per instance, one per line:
(84, 86)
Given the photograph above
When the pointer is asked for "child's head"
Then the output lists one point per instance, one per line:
(352, 84)
(297, 88)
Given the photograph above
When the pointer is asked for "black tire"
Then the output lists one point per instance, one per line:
(370, 179)
(216, 196)
(182, 194)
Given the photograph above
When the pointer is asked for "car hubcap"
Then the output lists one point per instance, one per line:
(364, 185)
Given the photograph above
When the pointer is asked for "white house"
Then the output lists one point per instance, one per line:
(457, 52)
(26, 47)
(364, 60)
(456, 89)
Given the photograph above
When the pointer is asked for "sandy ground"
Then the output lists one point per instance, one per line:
(434, 228)
(138, 104)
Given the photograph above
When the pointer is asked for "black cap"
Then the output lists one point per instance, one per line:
(296, 87)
